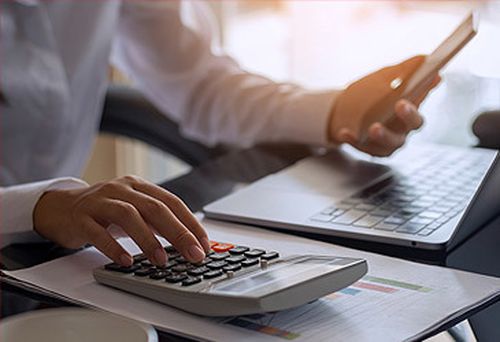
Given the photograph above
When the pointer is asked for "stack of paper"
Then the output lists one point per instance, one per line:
(397, 300)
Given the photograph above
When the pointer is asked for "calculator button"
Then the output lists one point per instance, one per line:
(270, 256)
(173, 255)
(191, 281)
(144, 272)
(170, 249)
(215, 265)
(254, 253)
(249, 262)
(180, 268)
(122, 269)
(222, 247)
(139, 258)
(181, 260)
(213, 244)
(204, 262)
(232, 268)
(212, 274)
(113, 267)
(170, 263)
(198, 271)
(219, 256)
(159, 275)
(146, 263)
(238, 250)
(235, 259)
(175, 278)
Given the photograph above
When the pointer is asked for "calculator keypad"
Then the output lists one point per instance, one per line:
(223, 258)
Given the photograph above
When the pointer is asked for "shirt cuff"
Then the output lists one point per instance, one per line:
(306, 117)
(18, 202)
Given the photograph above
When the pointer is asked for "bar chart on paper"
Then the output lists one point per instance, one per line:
(316, 320)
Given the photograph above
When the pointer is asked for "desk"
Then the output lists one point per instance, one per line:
(225, 174)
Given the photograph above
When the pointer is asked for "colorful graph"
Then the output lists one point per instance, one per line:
(263, 323)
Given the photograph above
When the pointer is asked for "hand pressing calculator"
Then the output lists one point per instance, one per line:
(234, 280)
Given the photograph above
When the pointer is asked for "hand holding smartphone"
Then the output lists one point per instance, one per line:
(372, 98)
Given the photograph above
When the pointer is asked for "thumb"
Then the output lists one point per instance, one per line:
(407, 68)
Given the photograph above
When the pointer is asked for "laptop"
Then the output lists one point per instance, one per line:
(428, 197)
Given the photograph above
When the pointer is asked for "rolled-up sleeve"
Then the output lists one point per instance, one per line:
(208, 94)
(17, 204)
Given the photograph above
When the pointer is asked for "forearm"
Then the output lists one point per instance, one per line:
(209, 95)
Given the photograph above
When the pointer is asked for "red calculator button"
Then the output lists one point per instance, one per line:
(213, 243)
(222, 247)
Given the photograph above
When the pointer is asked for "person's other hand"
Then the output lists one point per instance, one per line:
(382, 139)
(76, 217)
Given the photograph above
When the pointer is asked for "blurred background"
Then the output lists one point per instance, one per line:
(325, 44)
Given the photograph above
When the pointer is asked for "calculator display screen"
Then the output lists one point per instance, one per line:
(279, 276)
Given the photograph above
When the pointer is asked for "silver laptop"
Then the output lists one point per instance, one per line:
(424, 196)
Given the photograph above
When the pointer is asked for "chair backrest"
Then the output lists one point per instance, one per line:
(128, 113)
(487, 128)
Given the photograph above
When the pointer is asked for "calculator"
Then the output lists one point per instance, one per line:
(234, 280)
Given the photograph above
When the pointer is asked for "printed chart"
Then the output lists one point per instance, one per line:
(316, 319)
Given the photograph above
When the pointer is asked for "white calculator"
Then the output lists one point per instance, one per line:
(234, 280)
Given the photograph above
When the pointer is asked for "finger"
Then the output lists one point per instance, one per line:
(346, 136)
(165, 222)
(125, 215)
(382, 141)
(102, 240)
(406, 118)
(179, 208)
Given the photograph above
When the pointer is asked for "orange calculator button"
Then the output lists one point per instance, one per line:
(222, 247)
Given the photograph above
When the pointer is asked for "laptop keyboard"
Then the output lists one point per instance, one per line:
(415, 204)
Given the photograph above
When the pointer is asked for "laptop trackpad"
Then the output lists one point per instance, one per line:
(336, 175)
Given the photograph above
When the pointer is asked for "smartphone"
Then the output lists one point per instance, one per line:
(415, 84)
(424, 76)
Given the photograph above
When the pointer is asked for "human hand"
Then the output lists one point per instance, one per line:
(76, 217)
(371, 116)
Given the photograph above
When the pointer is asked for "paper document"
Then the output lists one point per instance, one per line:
(396, 301)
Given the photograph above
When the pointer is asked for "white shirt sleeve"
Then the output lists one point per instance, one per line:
(213, 100)
(17, 204)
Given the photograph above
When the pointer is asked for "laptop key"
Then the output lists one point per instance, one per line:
(386, 226)
(368, 221)
(349, 217)
(322, 218)
(434, 225)
(397, 220)
(410, 228)
(430, 214)
(381, 212)
(425, 232)
(328, 211)
(365, 207)
(421, 220)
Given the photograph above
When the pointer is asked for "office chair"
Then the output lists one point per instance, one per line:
(128, 113)
(487, 128)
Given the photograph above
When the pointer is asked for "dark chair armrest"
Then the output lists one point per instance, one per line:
(128, 113)
(487, 128)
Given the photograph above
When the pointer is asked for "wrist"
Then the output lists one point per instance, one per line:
(50, 212)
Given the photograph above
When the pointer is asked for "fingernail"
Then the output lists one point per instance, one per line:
(408, 109)
(160, 256)
(379, 132)
(206, 244)
(126, 260)
(196, 253)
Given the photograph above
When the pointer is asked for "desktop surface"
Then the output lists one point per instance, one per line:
(199, 187)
